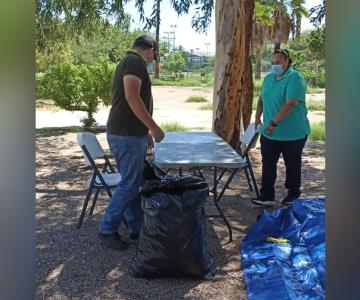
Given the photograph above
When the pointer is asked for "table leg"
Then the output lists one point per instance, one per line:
(216, 200)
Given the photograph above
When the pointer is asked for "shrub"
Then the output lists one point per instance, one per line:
(197, 99)
(173, 126)
(208, 106)
(77, 87)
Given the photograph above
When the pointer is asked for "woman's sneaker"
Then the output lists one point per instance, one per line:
(288, 200)
(262, 202)
(113, 241)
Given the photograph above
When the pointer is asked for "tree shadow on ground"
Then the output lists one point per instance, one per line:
(72, 264)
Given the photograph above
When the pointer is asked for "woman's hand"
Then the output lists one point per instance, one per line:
(269, 130)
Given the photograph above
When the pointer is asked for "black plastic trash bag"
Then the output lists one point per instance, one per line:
(172, 241)
(152, 172)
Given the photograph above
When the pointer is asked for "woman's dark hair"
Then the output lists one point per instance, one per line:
(285, 53)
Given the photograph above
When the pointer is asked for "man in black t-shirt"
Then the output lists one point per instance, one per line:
(130, 130)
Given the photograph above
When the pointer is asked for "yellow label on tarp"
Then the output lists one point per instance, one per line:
(271, 239)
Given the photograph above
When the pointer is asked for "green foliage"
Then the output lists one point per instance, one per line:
(196, 99)
(58, 54)
(111, 43)
(58, 21)
(208, 106)
(189, 81)
(164, 49)
(173, 126)
(318, 131)
(174, 62)
(315, 105)
(316, 42)
(263, 13)
(77, 87)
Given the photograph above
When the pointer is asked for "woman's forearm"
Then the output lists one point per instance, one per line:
(285, 110)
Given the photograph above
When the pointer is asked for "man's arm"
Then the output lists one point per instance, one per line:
(132, 85)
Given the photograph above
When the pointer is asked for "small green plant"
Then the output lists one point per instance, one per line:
(318, 131)
(315, 105)
(196, 99)
(208, 106)
(173, 126)
(174, 62)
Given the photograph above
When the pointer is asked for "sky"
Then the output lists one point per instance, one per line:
(185, 35)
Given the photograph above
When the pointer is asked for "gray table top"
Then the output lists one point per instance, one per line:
(203, 149)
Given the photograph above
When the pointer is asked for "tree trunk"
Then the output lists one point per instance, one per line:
(233, 86)
(298, 29)
(277, 46)
(157, 50)
(258, 64)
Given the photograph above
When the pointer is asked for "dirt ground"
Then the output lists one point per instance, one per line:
(71, 264)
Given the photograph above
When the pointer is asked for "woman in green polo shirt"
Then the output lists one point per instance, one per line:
(285, 127)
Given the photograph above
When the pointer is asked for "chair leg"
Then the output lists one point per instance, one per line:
(254, 181)
(248, 179)
(94, 201)
(87, 198)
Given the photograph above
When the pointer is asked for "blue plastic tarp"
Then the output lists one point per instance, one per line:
(293, 269)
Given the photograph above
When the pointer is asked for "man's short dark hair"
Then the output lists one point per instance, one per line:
(144, 42)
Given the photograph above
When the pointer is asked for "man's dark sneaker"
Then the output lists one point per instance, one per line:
(134, 236)
(113, 241)
(288, 200)
(262, 202)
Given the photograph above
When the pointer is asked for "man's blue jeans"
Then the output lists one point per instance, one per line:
(125, 204)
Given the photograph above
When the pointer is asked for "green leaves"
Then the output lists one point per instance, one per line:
(77, 87)
(263, 14)
(316, 41)
(175, 62)
(59, 20)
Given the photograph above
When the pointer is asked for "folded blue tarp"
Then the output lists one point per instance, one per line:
(293, 269)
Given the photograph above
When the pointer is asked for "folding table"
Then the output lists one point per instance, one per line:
(199, 149)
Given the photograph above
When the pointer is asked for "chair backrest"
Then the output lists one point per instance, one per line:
(250, 137)
(249, 134)
(92, 145)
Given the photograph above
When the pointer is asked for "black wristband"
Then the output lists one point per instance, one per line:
(273, 124)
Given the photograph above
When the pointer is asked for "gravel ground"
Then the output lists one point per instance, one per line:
(71, 264)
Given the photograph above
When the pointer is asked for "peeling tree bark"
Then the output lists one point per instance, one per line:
(233, 85)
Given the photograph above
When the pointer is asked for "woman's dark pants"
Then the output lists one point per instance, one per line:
(291, 152)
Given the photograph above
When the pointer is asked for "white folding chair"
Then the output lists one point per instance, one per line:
(105, 179)
(248, 141)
